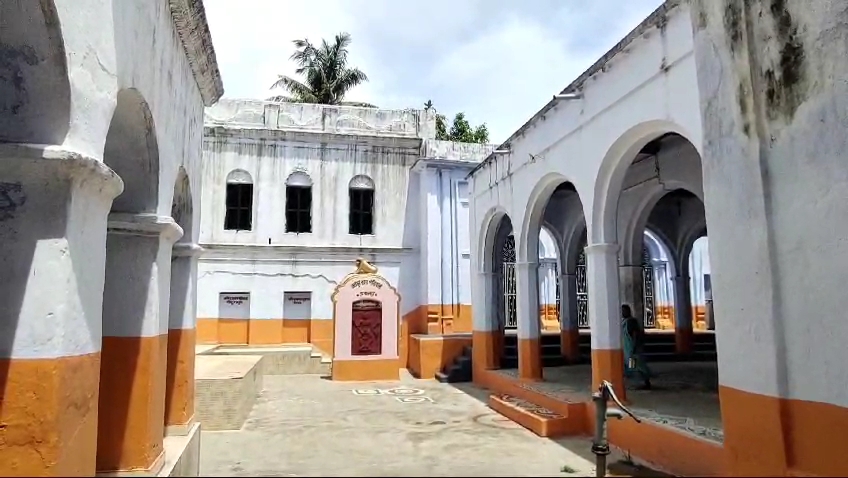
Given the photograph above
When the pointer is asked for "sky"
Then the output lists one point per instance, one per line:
(498, 61)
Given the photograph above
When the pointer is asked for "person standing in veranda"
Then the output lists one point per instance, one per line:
(633, 338)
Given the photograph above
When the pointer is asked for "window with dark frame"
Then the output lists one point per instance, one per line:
(239, 215)
(299, 209)
(361, 211)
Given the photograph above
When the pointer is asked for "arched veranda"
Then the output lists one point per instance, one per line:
(652, 181)
(135, 307)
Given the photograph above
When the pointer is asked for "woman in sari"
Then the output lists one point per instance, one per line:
(633, 338)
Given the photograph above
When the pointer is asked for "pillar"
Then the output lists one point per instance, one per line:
(682, 315)
(529, 325)
(135, 343)
(487, 336)
(179, 386)
(52, 240)
(604, 316)
(569, 334)
(632, 291)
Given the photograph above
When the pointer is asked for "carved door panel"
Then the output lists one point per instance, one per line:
(367, 331)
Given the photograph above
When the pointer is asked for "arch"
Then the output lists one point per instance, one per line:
(659, 247)
(360, 181)
(132, 151)
(239, 176)
(35, 90)
(613, 169)
(548, 243)
(299, 179)
(637, 223)
(489, 228)
(182, 204)
(528, 241)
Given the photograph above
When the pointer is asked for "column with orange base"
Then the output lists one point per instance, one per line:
(52, 251)
(682, 315)
(568, 331)
(604, 316)
(179, 386)
(529, 324)
(135, 343)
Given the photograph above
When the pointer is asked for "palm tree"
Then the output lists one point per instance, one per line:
(328, 77)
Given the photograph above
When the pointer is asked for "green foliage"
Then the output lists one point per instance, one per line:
(326, 73)
(461, 130)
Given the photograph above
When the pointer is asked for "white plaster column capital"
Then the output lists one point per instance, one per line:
(150, 225)
(91, 171)
(186, 249)
(527, 265)
(608, 248)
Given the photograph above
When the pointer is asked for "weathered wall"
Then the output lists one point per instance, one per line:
(774, 108)
(332, 145)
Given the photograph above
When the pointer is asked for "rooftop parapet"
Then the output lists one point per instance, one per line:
(316, 118)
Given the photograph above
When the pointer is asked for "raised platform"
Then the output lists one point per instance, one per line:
(226, 387)
(182, 454)
(538, 419)
(281, 360)
(680, 430)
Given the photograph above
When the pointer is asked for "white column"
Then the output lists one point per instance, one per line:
(52, 248)
(604, 304)
(527, 300)
(604, 316)
(568, 302)
(483, 310)
(682, 303)
(529, 325)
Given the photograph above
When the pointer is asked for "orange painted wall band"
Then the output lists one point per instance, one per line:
(529, 359)
(49, 416)
(132, 402)
(179, 385)
(609, 365)
(570, 344)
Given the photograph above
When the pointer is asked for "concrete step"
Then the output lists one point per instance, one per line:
(537, 419)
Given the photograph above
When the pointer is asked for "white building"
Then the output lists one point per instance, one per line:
(294, 193)
(728, 114)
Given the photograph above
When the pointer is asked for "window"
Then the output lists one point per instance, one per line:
(239, 215)
(361, 190)
(299, 203)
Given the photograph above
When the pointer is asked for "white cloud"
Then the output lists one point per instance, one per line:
(496, 60)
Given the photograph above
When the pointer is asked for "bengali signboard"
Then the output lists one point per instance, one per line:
(234, 305)
(297, 305)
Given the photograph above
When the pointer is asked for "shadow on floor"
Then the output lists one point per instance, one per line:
(619, 464)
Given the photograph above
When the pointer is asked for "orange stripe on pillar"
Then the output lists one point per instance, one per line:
(530, 359)
(179, 386)
(609, 365)
(569, 340)
(48, 416)
(132, 403)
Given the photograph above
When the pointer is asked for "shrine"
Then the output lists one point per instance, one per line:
(365, 325)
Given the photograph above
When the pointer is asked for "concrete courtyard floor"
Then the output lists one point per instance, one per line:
(306, 425)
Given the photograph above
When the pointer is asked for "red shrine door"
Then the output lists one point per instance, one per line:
(367, 330)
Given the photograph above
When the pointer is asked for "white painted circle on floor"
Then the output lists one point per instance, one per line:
(404, 392)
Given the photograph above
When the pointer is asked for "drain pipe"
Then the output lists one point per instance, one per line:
(600, 443)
